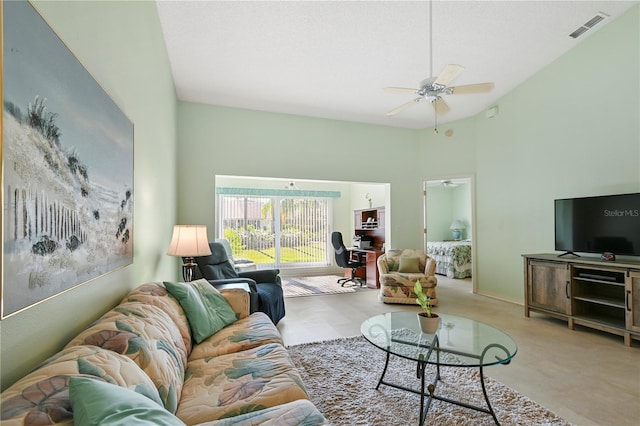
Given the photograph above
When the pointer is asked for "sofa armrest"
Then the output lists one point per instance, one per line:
(263, 276)
(220, 284)
(383, 267)
(430, 267)
(253, 289)
(238, 296)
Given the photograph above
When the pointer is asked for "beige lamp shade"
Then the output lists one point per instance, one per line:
(189, 241)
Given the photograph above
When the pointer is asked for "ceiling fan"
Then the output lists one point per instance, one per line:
(431, 89)
(448, 184)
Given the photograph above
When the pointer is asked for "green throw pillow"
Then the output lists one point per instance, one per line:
(409, 265)
(207, 310)
(96, 402)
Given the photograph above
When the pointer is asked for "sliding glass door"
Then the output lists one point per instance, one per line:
(278, 230)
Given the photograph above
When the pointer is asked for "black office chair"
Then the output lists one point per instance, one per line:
(343, 259)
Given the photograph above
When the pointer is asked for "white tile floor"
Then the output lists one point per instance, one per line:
(585, 376)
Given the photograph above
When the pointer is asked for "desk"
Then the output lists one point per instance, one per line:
(370, 258)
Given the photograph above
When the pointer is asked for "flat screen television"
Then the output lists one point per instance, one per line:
(598, 224)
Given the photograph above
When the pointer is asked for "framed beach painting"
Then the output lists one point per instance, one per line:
(67, 167)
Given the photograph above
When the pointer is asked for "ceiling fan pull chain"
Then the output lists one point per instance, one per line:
(430, 38)
(435, 128)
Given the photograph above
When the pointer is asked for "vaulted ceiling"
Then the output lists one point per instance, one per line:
(332, 59)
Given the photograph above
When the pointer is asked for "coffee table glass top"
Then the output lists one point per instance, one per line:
(462, 341)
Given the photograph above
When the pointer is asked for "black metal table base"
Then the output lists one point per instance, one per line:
(429, 396)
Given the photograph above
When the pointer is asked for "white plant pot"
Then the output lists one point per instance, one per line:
(428, 325)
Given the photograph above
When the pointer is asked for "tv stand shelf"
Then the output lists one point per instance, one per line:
(606, 301)
(585, 291)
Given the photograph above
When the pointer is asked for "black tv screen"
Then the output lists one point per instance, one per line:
(598, 224)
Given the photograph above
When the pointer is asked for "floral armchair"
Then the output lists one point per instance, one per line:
(399, 270)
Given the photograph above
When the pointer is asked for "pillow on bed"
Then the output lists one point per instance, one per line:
(409, 265)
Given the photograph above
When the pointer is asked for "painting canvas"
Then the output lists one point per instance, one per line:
(67, 167)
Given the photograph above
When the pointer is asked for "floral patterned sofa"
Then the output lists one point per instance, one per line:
(400, 269)
(141, 365)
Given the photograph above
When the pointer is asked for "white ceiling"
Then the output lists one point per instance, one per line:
(331, 59)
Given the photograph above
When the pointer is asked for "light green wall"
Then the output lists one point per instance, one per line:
(444, 205)
(227, 141)
(439, 213)
(571, 130)
(462, 208)
(121, 45)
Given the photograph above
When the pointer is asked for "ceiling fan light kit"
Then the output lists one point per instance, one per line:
(433, 88)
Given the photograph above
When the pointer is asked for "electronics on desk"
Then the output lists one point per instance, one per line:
(362, 241)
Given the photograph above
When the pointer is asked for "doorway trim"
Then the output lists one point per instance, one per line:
(472, 203)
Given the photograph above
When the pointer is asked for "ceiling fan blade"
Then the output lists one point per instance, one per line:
(399, 90)
(440, 106)
(404, 106)
(471, 88)
(448, 74)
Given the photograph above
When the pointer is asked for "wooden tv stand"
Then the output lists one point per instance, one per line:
(585, 291)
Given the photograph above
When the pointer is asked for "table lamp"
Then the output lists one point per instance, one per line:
(189, 241)
(457, 226)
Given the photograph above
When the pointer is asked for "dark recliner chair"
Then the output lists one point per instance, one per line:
(265, 285)
(343, 259)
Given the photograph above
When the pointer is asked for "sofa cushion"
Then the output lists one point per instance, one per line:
(207, 310)
(155, 294)
(247, 333)
(398, 288)
(300, 412)
(96, 402)
(147, 335)
(409, 265)
(42, 396)
(229, 385)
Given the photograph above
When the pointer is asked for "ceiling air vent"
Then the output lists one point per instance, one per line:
(588, 25)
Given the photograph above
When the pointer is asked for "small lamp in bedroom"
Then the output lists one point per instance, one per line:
(189, 241)
(457, 226)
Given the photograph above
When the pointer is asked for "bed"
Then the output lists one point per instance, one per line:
(453, 257)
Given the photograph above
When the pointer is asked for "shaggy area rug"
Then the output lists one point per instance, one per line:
(309, 286)
(341, 376)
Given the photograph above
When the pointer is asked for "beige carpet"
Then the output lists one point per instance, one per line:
(341, 376)
(309, 286)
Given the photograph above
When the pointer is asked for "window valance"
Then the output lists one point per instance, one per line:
(268, 192)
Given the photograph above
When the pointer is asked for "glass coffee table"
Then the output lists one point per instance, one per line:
(459, 342)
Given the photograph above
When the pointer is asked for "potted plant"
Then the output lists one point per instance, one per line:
(429, 321)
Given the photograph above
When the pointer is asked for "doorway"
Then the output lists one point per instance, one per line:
(449, 219)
